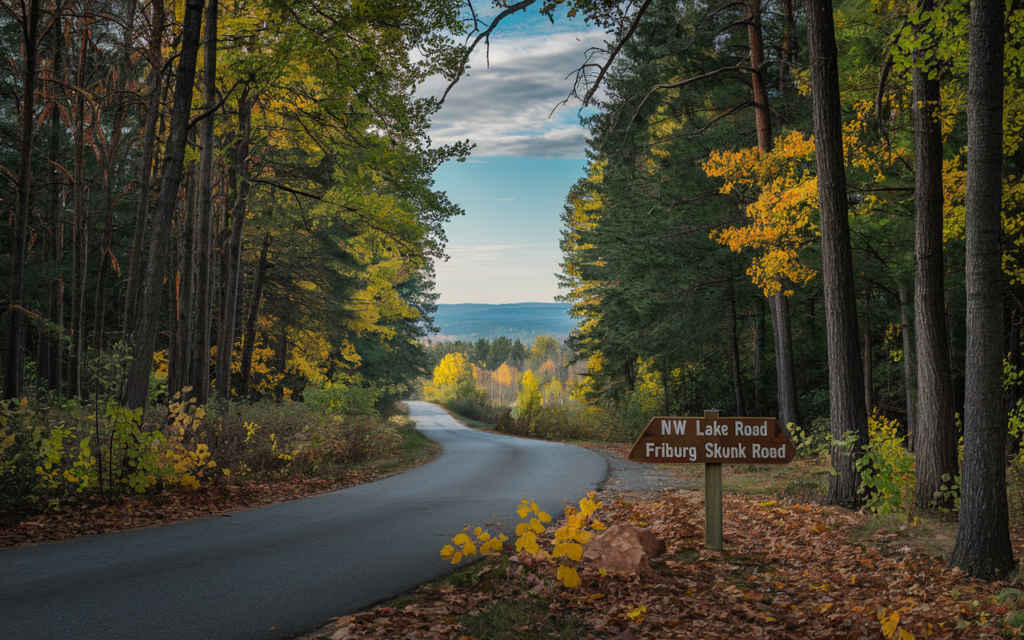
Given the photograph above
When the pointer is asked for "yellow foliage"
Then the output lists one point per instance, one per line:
(568, 576)
(781, 193)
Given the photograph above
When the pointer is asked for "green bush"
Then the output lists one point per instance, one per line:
(341, 399)
(341, 440)
(18, 458)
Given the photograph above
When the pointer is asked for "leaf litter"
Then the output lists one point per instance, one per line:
(92, 515)
(788, 571)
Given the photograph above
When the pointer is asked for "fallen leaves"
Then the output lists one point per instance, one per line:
(98, 514)
(789, 571)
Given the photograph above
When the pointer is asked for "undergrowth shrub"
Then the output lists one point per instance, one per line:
(54, 450)
(814, 441)
(339, 398)
(341, 440)
(887, 469)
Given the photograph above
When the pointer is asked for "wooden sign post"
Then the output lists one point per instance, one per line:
(713, 441)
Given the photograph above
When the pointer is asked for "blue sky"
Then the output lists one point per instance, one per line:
(505, 249)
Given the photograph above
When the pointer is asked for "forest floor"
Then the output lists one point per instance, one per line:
(96, 514)
(792, 568)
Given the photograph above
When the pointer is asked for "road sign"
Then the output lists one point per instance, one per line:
(713, 439)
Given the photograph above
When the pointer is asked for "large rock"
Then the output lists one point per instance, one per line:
(625, 548)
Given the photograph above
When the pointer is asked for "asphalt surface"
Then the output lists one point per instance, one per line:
(281, 570)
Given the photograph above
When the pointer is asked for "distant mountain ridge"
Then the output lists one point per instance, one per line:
(523, 320)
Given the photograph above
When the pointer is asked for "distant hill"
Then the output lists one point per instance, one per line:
(523, 320)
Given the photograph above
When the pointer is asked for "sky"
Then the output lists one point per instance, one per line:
(513, 186)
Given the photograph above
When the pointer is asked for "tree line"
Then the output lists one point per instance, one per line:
(831, 192)
(240, 192)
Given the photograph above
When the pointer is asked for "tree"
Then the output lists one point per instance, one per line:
(983, 536)
(28, 19)
(935, 439)
(145, 330)
(846, 384)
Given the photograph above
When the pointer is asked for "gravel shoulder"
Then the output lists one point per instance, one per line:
(626, 476)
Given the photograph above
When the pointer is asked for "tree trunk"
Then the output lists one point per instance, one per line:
(14, 362)
(790, 46)
(935, 443)
(149, 309)
(185, 281)
(106, 245)
(785, 370)
(846, 383)
(54, 347)
(784, 366)
(909, 370)
(80, 233)
(869, 400)
(249, 339)
(232, 280)
(758, 355)
(737, 380)
(204, 281)
(155, 86)
(983, 537)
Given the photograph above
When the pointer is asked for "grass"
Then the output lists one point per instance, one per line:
(521, 618)
(528, 618)
(931, 533)
(416, 449)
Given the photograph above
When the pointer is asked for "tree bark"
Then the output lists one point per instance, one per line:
(737, 380)
(935, 443)
(204, 228)
(185, 283)
(983, 537)
(14, 362)
(155, 85)
(758, 354)
(846, 383)
(149, 310)
(785, 370)
(249, 339)
(232, 279)
(107, 243)
(869, 400)
(909, 369)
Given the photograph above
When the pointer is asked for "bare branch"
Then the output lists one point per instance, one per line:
(615, 52)
(485, 35)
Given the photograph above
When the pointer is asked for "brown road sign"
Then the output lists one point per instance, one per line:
(713, 440)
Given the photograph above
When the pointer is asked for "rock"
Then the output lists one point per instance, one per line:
(625, 548)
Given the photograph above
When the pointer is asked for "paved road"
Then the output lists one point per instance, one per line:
(288, 568)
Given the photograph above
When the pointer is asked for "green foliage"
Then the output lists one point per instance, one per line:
(887, 469)
(813, 442)
(18, 456)
(341, 399)
(949, 492)
(338, 440)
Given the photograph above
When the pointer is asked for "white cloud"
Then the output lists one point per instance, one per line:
(504, 108)
(499, 273)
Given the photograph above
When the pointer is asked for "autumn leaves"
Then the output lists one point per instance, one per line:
(578, 529)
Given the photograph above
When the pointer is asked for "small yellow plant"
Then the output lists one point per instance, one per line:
(577, 531)
(526, 532)
(569, 538)
(465, 547)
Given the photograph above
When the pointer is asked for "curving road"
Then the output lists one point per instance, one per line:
(288, 568)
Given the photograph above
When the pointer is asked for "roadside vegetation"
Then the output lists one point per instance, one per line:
(791, 567)
(69, 467)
